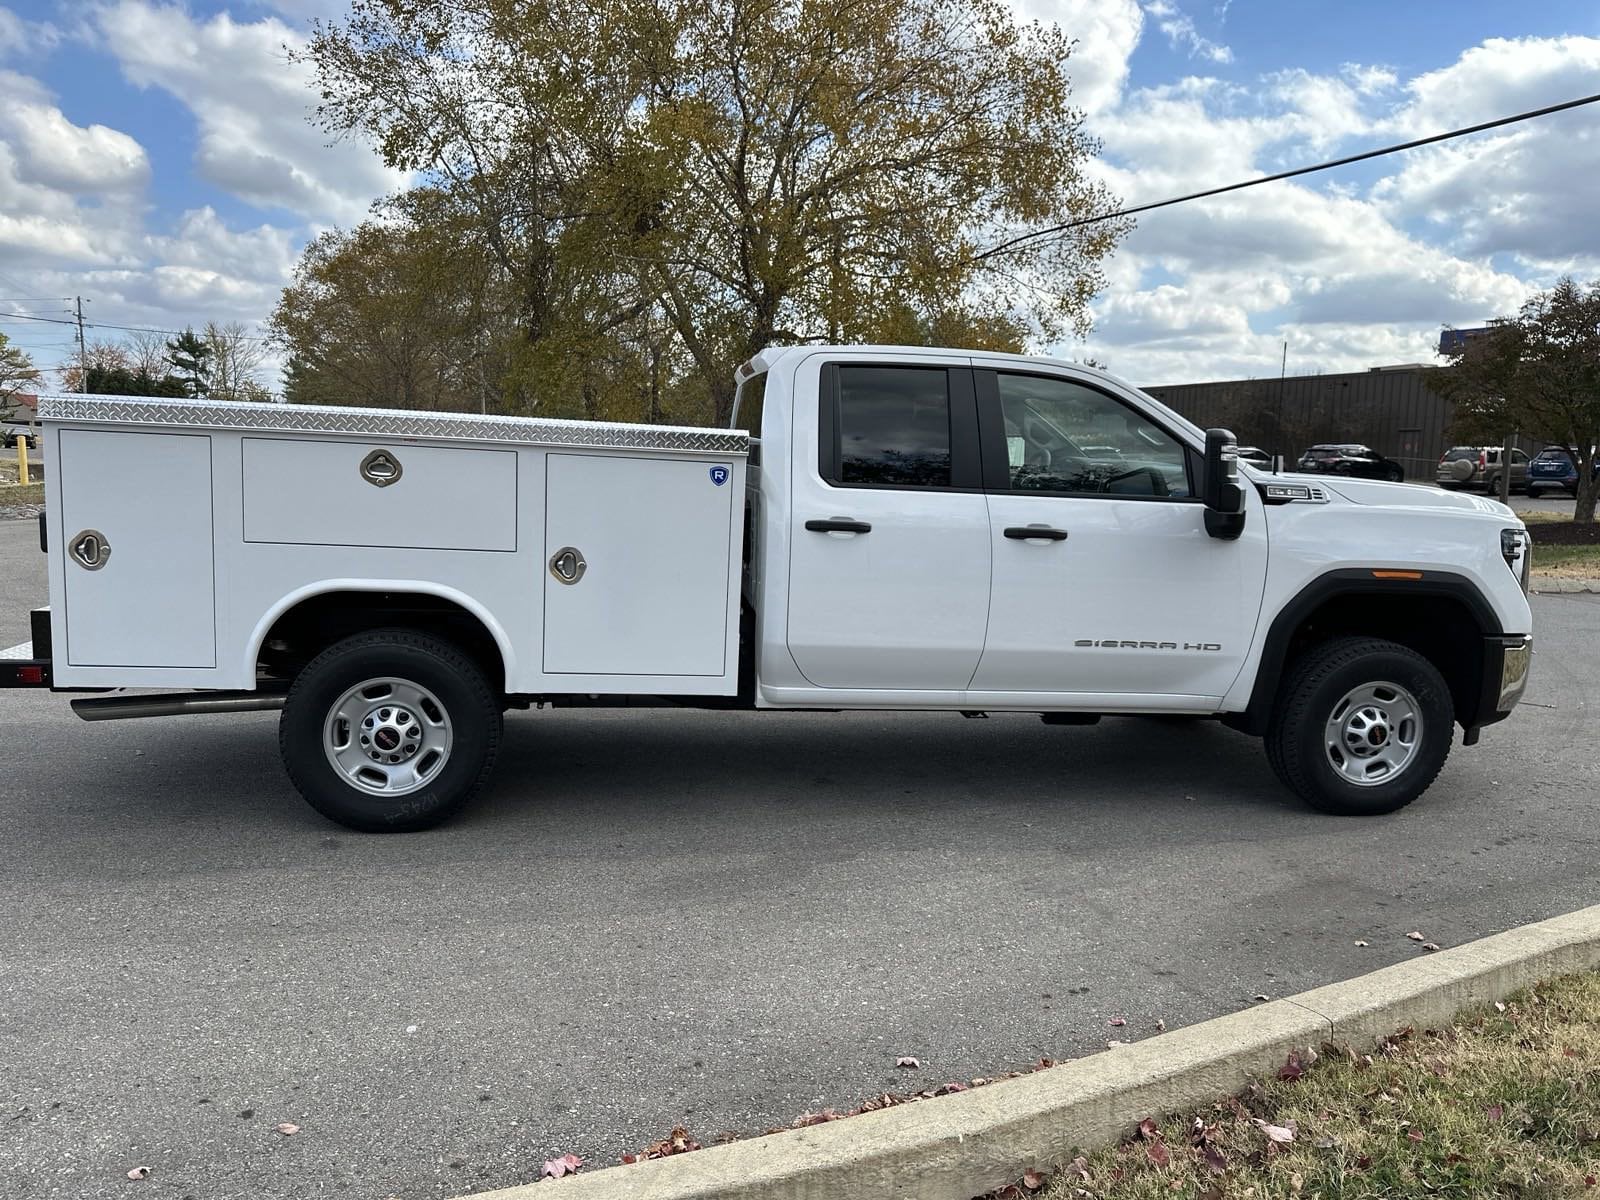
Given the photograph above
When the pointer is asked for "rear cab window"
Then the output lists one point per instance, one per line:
(894, 427)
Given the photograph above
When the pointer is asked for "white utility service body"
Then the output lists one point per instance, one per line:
(911, 529)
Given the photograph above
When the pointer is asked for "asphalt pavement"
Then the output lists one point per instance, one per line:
(665, 917)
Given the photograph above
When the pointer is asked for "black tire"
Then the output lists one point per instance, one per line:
(1316, 683)
(447, 678)
(1394, 475)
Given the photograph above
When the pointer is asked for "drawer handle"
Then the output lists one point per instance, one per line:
(380, 468)
(567, 564)
(90, 549)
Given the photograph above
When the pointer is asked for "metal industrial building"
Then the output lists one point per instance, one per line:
(1391, 409)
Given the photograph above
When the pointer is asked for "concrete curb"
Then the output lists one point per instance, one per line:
(960, 1146)
(1549, 585)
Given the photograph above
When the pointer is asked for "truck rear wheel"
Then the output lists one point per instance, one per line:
(1362, 726)
(389, 731)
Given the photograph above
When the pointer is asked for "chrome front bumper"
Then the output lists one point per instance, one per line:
(1516, 656)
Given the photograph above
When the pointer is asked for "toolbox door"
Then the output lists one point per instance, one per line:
(137, 549)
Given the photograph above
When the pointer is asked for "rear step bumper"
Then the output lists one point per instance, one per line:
(28, 665)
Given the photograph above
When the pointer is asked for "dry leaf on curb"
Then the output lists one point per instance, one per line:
(139, 1173)
(1111, 1045)
(1361, 943)
(1260, 996)
(555, 1168)
(1117, 1021)
(907, 1062)
(288, 1129)
(1430, 945)
(1415, 936)
(1148, 1128)
(1161, 1026)
(1282, 1134)
(1033, 1179)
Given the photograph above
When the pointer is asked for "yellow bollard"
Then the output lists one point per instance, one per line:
(22, 458)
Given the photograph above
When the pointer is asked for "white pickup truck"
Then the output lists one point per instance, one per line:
(911, 529)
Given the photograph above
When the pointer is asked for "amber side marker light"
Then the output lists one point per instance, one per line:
(1397, 574)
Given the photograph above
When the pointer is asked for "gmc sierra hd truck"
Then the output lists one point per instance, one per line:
(907, 529)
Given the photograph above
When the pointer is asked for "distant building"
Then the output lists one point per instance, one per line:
(21, 409)
(1390, 409)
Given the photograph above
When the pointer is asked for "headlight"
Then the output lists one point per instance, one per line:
(1516, 547)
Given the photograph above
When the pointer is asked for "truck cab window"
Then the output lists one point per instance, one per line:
(892, 428)
(1063, 437)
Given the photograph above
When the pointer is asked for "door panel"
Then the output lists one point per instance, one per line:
(150, 600)
(1136, 599)
(1128, 595)
(903, 604)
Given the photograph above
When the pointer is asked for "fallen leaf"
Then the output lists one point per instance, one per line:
(139, 1173)
(899, 1062)
(1499, 1007)
(555, 1168)
(1211, 1193)
(1430, 945)
(1116, 1021)
(1148, 1128)
(1260, 996)
(1079, 1167)
(1033, 1179)
(1296, 1182)
(1282, 1134)
(1364, 1163)
(1157, 1152)
(1494, 1112)
(1291, 1070)
(1569, 1052)
(1114, 1043)
(1414, 1134)
(1214, 1160)
(1588, 1181)
(288, 1129)
(1415, 936)
(1362, 943)
(1161, 1026)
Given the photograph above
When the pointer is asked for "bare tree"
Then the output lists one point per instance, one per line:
(236, 357)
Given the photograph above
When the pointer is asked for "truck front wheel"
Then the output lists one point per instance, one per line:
(389, 731)
(1362, 726)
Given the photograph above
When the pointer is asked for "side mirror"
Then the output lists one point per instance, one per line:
(1219, 485)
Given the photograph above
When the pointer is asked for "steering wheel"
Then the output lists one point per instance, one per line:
(1158, 481)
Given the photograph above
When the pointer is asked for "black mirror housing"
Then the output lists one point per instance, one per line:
(1220, 487)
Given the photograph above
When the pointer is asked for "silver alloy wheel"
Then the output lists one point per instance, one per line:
(388, 736)
(1373, 733)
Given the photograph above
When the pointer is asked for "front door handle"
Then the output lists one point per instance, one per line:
(1025, 533)
(838, 525)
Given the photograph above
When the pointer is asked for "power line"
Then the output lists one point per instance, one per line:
(1248, 183)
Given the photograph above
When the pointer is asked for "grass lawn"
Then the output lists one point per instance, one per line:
(32, 493)
(1504, 1103)
(1578, 562)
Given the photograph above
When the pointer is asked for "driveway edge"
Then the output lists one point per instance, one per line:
(960, 1146)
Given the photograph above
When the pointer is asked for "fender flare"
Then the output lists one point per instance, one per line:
(419, 587)
(1347, 581)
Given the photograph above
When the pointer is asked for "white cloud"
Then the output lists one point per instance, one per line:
(20, 37)
(1106, 33)
(251, 105)
(1182, 35)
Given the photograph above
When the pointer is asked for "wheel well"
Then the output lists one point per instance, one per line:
(1436, 619)
(302, 632)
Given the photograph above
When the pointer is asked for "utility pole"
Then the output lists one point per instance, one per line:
(83, 349)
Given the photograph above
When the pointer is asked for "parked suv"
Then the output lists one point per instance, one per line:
(1479, 466)
(1555, 467)
(1351, 458)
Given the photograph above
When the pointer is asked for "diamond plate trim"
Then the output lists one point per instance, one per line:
(383, 422)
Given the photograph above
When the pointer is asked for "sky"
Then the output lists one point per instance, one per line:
(156, 159)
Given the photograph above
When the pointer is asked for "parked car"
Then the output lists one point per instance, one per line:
(1555, 467)
(1479, 466)
(1351, 458)
(923, 531)
(1256, 457)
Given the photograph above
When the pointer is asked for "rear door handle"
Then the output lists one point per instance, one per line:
(1023, 533)
(838, 525)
